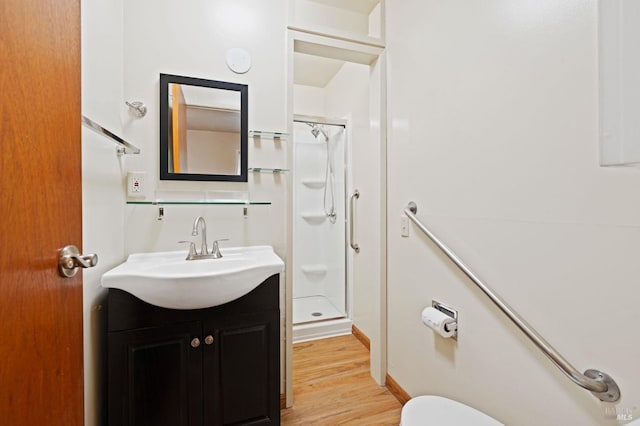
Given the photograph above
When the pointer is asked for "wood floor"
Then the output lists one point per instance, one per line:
(332, 386)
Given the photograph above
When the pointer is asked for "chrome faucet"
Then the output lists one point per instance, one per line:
(199, 222)
(200, 228)
(215, 250)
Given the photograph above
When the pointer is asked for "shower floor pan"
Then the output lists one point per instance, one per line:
(315, 317)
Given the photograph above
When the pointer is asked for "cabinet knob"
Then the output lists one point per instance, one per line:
(195, 342)
(208, 340)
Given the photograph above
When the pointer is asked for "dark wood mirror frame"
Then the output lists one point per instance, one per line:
(166, 172)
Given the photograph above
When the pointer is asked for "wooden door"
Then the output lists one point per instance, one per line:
(179, 129)
(41, 378)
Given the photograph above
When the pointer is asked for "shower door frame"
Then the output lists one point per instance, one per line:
(374, 56)
(299, 118)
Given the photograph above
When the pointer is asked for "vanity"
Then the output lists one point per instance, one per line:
(176, 362)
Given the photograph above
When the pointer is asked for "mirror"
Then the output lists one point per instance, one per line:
(203, 129)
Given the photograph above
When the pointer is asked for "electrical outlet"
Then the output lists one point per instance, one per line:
(404, 226)
(135, 184)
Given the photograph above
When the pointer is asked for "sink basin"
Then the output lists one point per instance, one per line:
(167, 280)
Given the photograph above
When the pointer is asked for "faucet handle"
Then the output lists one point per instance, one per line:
(192, 249)
(215, 250)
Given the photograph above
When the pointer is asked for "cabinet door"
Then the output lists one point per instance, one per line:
(155, 376)
(242, 371)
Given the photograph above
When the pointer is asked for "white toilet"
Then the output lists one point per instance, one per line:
(436, 410)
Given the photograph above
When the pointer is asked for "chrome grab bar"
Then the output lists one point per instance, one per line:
(355, 196)
(601, 385)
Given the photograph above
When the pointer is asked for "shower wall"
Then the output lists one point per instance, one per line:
(319, 245)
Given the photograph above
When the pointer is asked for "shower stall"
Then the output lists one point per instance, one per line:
(320, 285)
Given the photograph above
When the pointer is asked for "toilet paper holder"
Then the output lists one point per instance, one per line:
(449, 311)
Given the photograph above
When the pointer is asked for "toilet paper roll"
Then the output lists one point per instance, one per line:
(439, 322)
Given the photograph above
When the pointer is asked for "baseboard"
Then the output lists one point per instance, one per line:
(396, 390)
(283, 401)
(393, 386)
(358, 334)
(321, 330)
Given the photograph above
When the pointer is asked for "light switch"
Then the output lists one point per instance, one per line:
(404, 226)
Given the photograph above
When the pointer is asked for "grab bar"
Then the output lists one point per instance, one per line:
(124, 147)
(354, 246)
(601, 385)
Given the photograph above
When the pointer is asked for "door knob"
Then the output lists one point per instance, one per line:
(70, 260)
(195, 342)
(208, 340)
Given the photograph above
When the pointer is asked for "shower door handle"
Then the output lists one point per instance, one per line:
(354, 197)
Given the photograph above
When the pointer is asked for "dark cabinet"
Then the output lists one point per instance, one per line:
(155, 376)
(215, 366)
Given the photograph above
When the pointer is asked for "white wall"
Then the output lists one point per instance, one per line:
(493, 132)
(125, 45)
(348, 98)
(213, 152)
(308, 100)
(192, 40)
(102, 187)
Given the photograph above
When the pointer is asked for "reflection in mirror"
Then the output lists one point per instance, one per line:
(203, 129)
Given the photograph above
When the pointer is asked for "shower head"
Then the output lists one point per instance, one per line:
(316, 130)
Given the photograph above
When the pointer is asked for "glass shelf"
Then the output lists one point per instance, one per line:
(314, 269)
(266, 170)
(210, 197)
(267, 135)
(211, 202)
(313, 183)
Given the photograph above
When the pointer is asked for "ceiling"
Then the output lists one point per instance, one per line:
(213, 120)
(361, 6)
(316, 71)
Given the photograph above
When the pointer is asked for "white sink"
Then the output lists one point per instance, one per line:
(167, 280)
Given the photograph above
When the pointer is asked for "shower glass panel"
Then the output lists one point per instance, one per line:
(319, 281)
